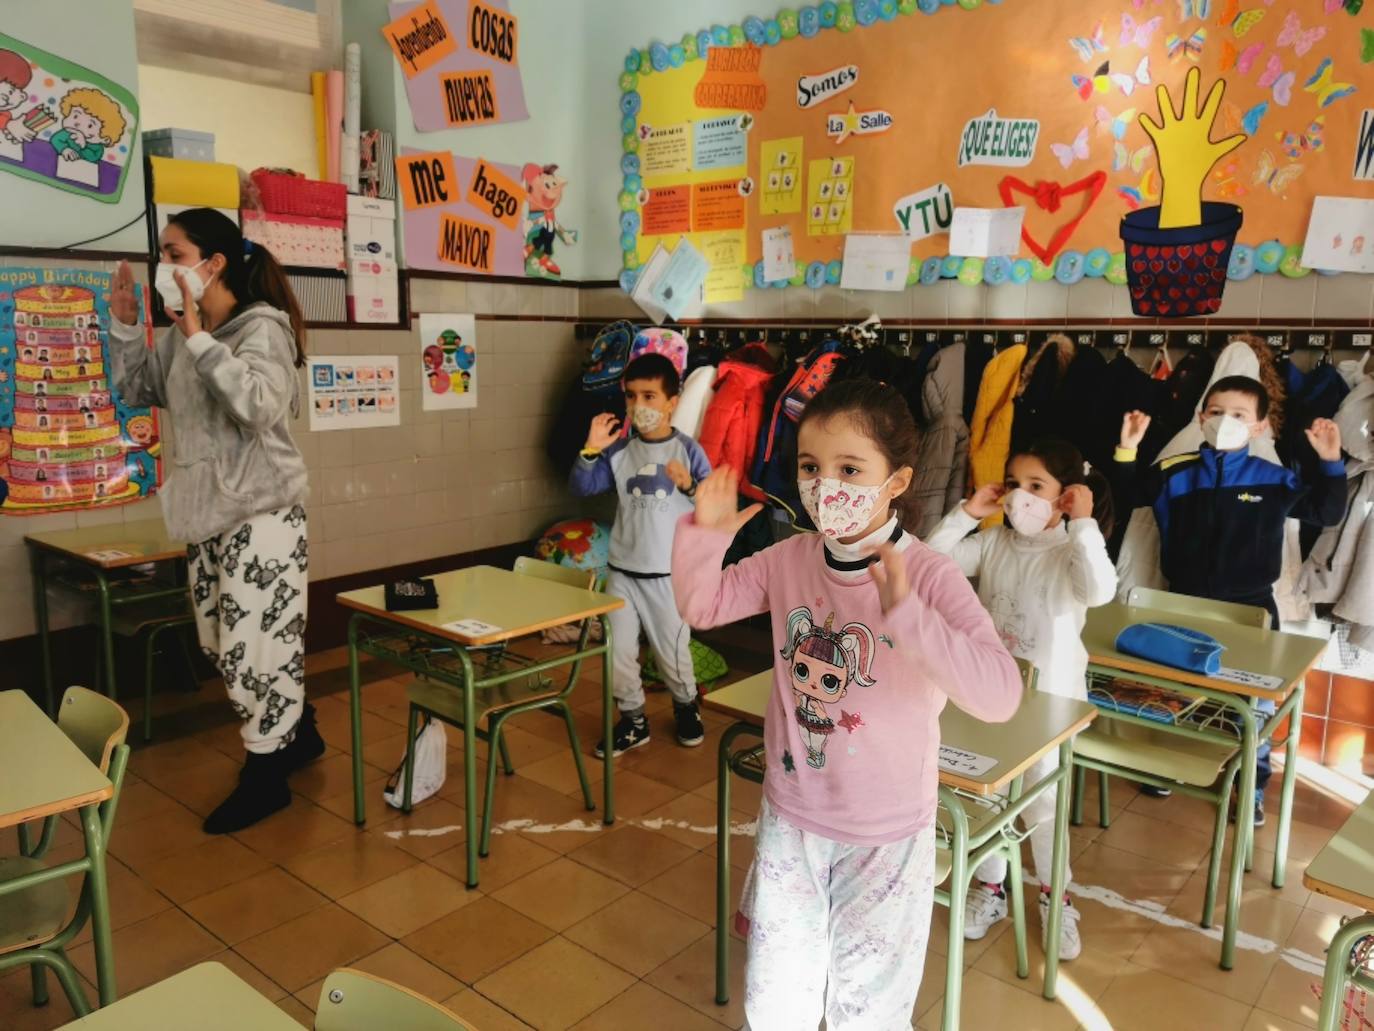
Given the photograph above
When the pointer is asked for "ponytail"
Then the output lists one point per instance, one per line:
(251, 273)
(1065, 463)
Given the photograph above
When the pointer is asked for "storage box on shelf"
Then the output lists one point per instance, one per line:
(297, 240)
(373, 287)
(187, 144)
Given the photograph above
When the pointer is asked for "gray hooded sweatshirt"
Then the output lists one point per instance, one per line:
(231, 395)
(943, 457)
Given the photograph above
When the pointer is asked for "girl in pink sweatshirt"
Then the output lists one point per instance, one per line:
(873, 631)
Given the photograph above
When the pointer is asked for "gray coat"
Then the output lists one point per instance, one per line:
(942, 460)
(231, 395)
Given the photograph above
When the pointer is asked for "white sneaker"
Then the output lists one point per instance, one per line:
(1070, 945)
(984, 906)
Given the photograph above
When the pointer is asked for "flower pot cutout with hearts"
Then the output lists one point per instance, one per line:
(1051, 197)
(1177, 253)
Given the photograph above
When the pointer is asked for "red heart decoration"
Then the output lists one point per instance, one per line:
(1186, 251)
(1049, 196)
(1219, 245)
(1152, 252)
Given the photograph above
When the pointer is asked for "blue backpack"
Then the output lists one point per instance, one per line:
(606, 361)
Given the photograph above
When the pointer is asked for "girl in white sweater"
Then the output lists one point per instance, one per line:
(1037, 576)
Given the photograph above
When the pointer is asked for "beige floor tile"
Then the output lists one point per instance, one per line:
(132, 899)
(297, 1011)
(690, 977)
(573, 984)
(1156, 839)
(398, 965)
(354, 862)
(1147, 1000)
(745, 795)
(512, 856)
(218, 862)
(642, 1006)
(1131, 876)
(987, 1002)
(432, 826)
(409, 900)
(1194, 813)
(325, 778)
(932, 984)
(631, 854)
(155, 762)
(1288, 993)
(742, 841)
(687, 769)
(558, 772)
(560, 894)
(138, 800)
(258, 903)
(335, 938)
(202, 787)
(526, 747)
(300, 827)
(636, 933)
(1108, 943)
(691, 887)
(536, 811)
(20, 1014)
(973, 950)
(151, 950)
(260, 982)
(141, 844)
(1263, 1021)
(481, 1012)
(636, 794)
(1257, 884)
(477, 939)
(383, 754)
(689, 819)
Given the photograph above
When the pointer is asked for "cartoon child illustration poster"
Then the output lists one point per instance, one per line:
(63, 124)
(822, 665)
(448, 362)
(544, 192)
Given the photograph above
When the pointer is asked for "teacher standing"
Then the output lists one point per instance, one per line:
(226, 373)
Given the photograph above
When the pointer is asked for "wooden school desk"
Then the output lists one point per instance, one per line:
(43, 773)
(1344, 870)
(100, 553)
(207, 997)
(1288, 657)
(972, 818)
(424, 641)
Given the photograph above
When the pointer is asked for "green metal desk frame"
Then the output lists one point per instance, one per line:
(438, 658)
(967, 851)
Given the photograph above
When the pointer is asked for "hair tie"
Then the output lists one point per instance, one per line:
(247, 247)
(1087, 469)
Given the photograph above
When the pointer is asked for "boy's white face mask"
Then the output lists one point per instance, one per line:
(170, 290)
(645, 419)
(1225, 432)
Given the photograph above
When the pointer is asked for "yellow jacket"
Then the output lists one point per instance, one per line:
(990, 430)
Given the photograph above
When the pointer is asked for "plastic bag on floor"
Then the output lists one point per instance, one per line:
(431, 766)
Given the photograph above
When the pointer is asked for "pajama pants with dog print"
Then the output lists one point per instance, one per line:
(249, 589)
(835, 930)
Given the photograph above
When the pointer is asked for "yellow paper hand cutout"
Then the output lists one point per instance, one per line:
(1185, 150)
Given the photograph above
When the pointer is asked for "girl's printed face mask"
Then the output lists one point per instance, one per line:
(170, 290)
(1028, 513)
(837, 507)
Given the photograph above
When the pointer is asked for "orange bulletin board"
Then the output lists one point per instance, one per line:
(1067, 80)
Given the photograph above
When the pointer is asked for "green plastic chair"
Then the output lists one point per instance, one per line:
(499, 704)
(32, 929)
(1159, 757)
(354, 1001)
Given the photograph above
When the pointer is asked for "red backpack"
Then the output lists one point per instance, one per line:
(775, 473)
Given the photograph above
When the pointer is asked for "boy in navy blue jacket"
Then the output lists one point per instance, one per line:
(1221, 510)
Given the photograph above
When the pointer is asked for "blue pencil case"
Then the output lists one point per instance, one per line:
(1175, 646)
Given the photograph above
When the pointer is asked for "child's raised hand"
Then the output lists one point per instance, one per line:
(889, 573)
(1077, 501)
(718, 502)
(604, 430)
(677, 472)
(1325, 438)
(123, 306)
(1133, 427)
(986, 500)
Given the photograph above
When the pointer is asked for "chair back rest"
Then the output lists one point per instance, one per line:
(1030, 676)
(1202, 608)
(354, 1001)
(95, 724)
(581, 578)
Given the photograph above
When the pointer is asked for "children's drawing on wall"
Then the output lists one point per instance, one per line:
(448, 357)
(544, 192)
(67, 440)
(63, 124)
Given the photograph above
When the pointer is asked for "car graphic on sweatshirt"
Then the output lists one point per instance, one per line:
(652, 480)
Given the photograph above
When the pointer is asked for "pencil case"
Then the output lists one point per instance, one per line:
(1175, 646)
(407, 595)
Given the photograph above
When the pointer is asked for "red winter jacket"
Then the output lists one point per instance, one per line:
(729, 433)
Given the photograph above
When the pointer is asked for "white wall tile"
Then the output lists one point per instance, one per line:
(1281, 297)
(1347, 296)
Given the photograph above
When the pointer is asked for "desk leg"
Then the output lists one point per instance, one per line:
(355, 710)
(106, 634)
(1334, 981)
(100, 904)
(39, 561)
(723, 870)
(470, 767)
(607, 730)
(1018, 894)
(1290, 782)
(1061, 855)
(1245, 832)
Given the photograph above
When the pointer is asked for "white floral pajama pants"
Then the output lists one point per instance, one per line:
(835, 930)
(249, 589)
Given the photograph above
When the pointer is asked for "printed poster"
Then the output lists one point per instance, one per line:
(62, 124)
(780, 175)
(448, 362)
(1340, 235)
(354, 392)
(724, 282)
(830, 197)
(717, 206)
(477, 81)
(67, 439)
(667, 209)
(719, 142)
(665, 150)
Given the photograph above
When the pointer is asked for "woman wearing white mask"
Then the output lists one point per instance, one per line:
(226, 373)
(1037, 576)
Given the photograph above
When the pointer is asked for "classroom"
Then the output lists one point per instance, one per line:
(604, 515)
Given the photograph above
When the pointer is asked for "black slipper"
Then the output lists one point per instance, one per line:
(261, 791)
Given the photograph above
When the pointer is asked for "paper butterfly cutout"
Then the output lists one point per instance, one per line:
(1068, 153)
(1127, 83)
(1135, 160)
(1139, 34)
(1228, 12)
(1321, 83)
(1089, 46)
(1227, 177)
(1332, 6)
(1246, 20)
(1114, 124)
(1302, 40)
(1248, 57)
(1187, 8)
(1282, 82)
(1269, 174)
(1098, 81)
(1189, 47)
(1250, 121)
(1309, 140)
(1147, 192)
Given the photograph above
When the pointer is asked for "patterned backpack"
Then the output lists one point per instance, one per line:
(667, 342)
(606, 361)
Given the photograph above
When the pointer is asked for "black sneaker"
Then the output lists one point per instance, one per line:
(630, 732)
(1150, 791)
(690, 732)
